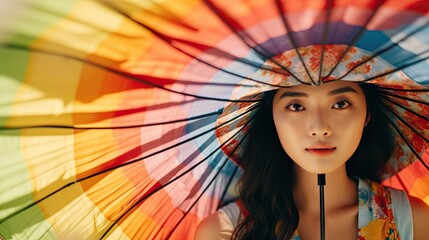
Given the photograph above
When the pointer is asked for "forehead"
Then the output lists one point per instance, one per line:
(326, 89)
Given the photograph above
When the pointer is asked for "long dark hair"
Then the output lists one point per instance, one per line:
(266, 184)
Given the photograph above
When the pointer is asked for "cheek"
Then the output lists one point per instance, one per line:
(288, 132)
(350, 130)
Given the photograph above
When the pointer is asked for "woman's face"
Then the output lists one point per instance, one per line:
(320, 127)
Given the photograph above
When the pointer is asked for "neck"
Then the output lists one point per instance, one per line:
(340, 191)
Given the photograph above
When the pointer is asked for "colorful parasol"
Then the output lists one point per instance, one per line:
(124, 119)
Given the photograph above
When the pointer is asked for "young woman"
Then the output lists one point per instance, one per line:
(338, 129)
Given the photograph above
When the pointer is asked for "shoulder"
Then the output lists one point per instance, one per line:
(420, 212)
(414, 211)
(217, 226)
(209, 228)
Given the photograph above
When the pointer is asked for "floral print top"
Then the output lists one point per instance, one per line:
(384, 214)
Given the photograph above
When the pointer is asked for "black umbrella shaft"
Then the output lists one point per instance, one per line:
(321, 181)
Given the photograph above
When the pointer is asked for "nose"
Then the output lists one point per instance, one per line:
(319, 125)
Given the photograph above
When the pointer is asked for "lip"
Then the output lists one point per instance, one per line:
(321, 150)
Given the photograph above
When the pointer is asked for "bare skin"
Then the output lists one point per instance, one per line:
(341, 207)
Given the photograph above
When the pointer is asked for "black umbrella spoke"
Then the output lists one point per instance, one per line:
(405, 98)
(218, 112)
(227, 186)
(265, 30)
(406, 141)
(140, 78)
(263, 53)
(187, 82)
(361, 31)
(402, 90)
(385, 49)
(325, 37)
(400, 67)
(242, 35)
(220, 53)
(141, 200)
(110, 70)
(289, 34)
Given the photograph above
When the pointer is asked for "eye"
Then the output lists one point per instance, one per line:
(295, 107)
(341, 104)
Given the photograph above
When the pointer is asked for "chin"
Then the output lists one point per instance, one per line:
(320, 169)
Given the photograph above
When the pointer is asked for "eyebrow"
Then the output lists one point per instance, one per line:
(333, 92)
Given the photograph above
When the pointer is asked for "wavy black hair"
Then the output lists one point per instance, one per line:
(265, 188)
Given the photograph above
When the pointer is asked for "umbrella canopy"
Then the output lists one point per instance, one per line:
(124, 119)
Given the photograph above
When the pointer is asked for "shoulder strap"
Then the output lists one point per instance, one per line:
(384, 224)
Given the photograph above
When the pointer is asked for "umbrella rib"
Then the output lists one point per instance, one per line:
(118, 127)
(120, 165)
(135, 77)
(409, 145)
(264, 56)
(357, 36)
(229, 181)
(406, 98)
(264, 29)
(140, 201)
(187, 82)
(166, 40)
(402, 90)
(399, 68)
(241, 35)
(386, 49)
(405, 122)
(291, 38)
(47, 231)
(324, 38)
